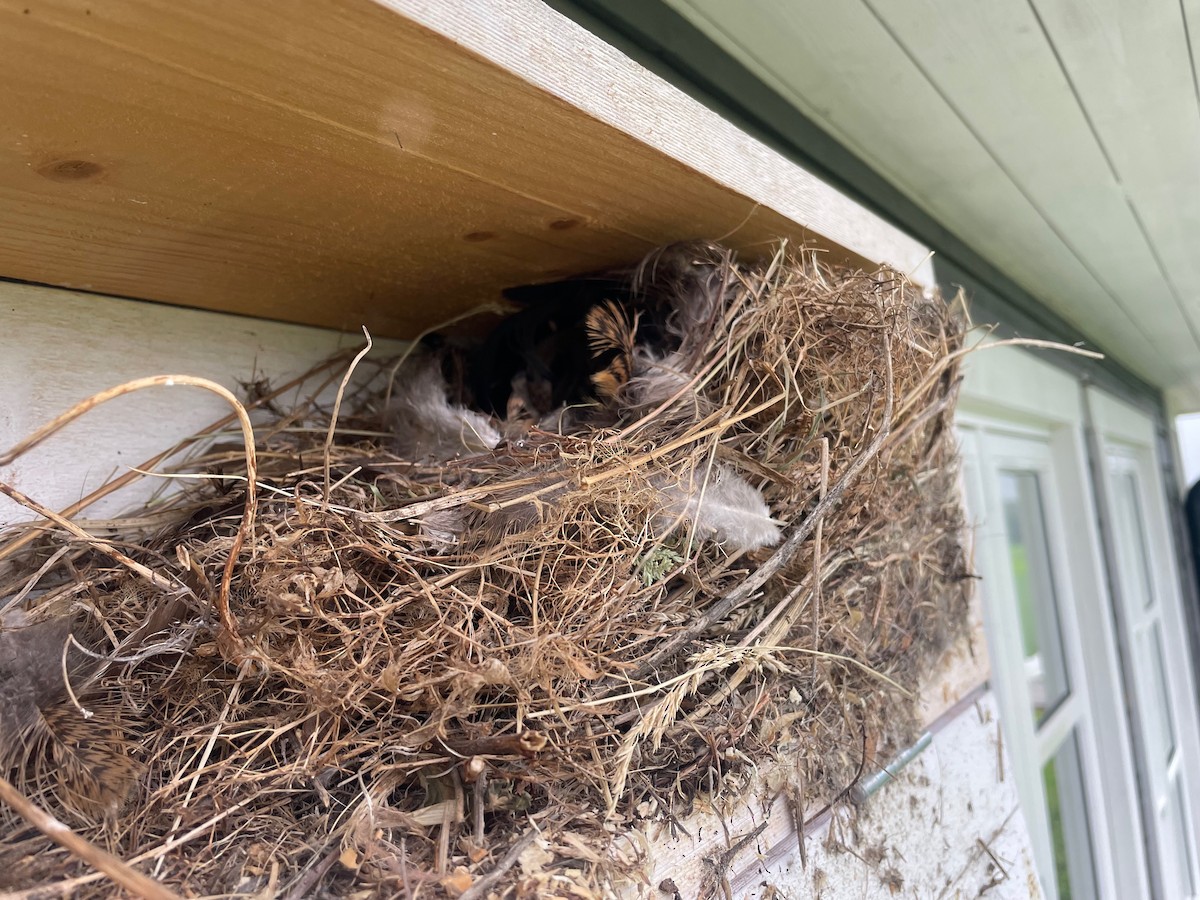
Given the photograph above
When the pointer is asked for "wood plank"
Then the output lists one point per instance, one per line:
(1132, 67)
(351, 165)
(841, 67)
(1033, 125)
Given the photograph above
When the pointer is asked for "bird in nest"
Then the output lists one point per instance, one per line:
(619, 340)
(588, 352)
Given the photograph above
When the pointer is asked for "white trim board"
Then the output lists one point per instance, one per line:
(58, 347)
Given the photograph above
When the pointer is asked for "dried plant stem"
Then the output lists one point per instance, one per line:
(413, 511)
(69, 886)
(66, 676)
(918, 420)
(139, 471)
(337, 408)
(144, 572)
(1028, 342)
(479, 801)
(307, 882)
(789, 600)
(691, 438)
(951, 359)
(695, 675)
(228, 624)
(818, 533)
(790, 547)
(526, 743)
(230, 702)
(119, 871)
(481, 887)
(33, 580)
(791, 606)
(85, 406)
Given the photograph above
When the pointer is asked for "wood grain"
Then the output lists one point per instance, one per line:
(349, 165)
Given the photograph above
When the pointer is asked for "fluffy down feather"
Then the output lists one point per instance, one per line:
(657, 377)
(426, 425)
(442, 529)
(727, 509)
(689, 278)
(30, 674)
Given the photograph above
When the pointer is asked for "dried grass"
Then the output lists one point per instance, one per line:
(391, 710)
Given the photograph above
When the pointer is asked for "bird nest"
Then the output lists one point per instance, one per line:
(435, 649)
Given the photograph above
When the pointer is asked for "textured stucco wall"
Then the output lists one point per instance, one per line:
(949, 827)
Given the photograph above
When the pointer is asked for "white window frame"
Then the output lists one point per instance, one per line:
(1009, 392)
(1127, 442)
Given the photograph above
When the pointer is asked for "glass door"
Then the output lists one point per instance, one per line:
(1157, 661)
(1010, 484)
(1055, 659)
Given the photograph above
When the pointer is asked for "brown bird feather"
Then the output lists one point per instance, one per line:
(82, 761)
(48, 741)
(612, 339)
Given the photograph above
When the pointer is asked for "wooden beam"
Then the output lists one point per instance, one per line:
(342, 162)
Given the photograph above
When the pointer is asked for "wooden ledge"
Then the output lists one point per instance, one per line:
(347, 162)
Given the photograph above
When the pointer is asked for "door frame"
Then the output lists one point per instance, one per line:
(1008, 391)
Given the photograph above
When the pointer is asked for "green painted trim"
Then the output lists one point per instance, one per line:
(668, 45)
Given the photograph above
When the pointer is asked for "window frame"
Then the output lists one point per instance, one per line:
(1126, 438)
(1009, 392)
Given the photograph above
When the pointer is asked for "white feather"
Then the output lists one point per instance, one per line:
(659, 377)
(727, 509)
(656, 378)
(442, 529)
(427, 425)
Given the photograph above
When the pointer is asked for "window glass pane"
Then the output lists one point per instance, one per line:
(1130, 531)
(1160, 733)
(1066, 808)
(1029, 556)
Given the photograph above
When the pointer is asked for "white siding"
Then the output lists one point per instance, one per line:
(58, 347)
